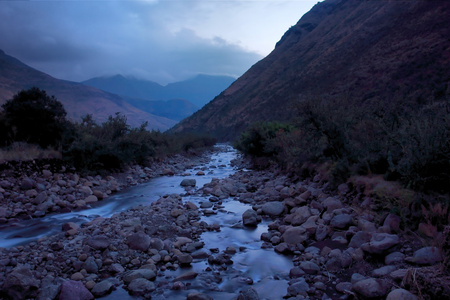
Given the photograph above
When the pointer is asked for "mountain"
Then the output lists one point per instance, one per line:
(198, 90)
(366, 50)
(78, 99)
(174, 109)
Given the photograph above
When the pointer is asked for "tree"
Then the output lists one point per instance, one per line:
(34, 117)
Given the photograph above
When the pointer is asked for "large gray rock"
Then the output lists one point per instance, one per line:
(139, 241)
(103, 288)
(273, 208)
(426, 256)
(141, 287)
(250, 218)
(300, 287)
(198, 296)
(380, 243)
(74, 290)
(20, 284)
(359, 239)
(401, 294)
(341, 221)
(188, 182)
(148, 274)
(90, 265)
(295, 235)
(99, 242)
(248, 294)
(371, 288)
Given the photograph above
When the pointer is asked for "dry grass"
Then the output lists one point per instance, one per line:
(26, 152)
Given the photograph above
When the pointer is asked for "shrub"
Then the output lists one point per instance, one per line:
(34, 117)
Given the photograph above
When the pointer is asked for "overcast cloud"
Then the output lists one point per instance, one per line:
(163, 41)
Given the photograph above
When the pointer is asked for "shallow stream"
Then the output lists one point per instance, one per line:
(262, 269)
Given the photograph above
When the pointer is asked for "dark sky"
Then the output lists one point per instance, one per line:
(159, 40)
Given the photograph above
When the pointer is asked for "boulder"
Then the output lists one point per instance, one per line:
(250, 218)
(20, 284)
(371, 288)
(426, 256)
(380, 243)
(99, 242)
(295, 235)
(103, 288)
(401, 294)
(188, 182)
(74, 290)
(248, 294)
(138, 241)
(273, 208)
(141, 287)
(147, 274)
(198, 296)
(341, 221)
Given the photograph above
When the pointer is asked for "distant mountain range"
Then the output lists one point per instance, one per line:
(78, 99)
(169, 103)
(366, 50)
(184, 97)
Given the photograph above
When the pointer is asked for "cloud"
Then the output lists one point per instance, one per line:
(161, 40)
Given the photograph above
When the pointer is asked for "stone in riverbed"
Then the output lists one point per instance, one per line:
(380, 243)
(401, 294)
(20, 284)
(141, 287)
(341, 221)
(300, 287)
(295, 235)
(426, 256)
(74, 290)
(138, 241)
(248, 294)
(371, 288)
(273, 208)
(250, 218)
(188, 182)
(99, 242)
(198, 296)
(103, 288)
(147, 274)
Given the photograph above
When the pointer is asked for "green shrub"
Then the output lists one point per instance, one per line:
(34, 117)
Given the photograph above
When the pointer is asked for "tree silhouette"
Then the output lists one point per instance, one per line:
(34, 117)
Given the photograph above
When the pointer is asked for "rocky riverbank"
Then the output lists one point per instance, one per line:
(338, 250)
(37, 188)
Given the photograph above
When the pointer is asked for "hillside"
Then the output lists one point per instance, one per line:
(78, 99)
(364, 50)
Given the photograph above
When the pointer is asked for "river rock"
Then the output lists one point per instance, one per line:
(341, 221)
(360, 238)
(331, 204)
(103, 288)
(74, 290)
(295, 235)
(299, 217)
(309, 267)
(380, 243)
(383, 271)
(186, 276)
(139, 241)
(98, 242)
(250, 218)
(70, 226)
(198, 296)
(148, 274)
(188, 182)
(394, 257)
(401, 294)
(299, 287)
(27, 184)
(184, 259)
(90, 199)
(273, 208)
(248, 294)
(371, 288)
(141, 287)
(426, 256)
(21, 284)
(90, 265)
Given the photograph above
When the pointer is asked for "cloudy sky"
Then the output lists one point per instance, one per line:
(159, 40)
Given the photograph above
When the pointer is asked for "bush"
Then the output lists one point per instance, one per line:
(34, 117)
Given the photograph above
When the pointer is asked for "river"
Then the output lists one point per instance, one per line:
(263, 269)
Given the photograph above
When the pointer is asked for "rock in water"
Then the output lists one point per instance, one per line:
(250, 218)
(74, 290)
(188, 182)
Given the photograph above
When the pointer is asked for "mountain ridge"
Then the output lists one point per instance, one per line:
(368, 50)
(78, 99)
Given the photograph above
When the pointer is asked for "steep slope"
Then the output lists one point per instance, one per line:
(367, 50)
(174, 109)
(78, 99)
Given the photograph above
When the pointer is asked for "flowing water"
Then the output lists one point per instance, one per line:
(265, 270)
